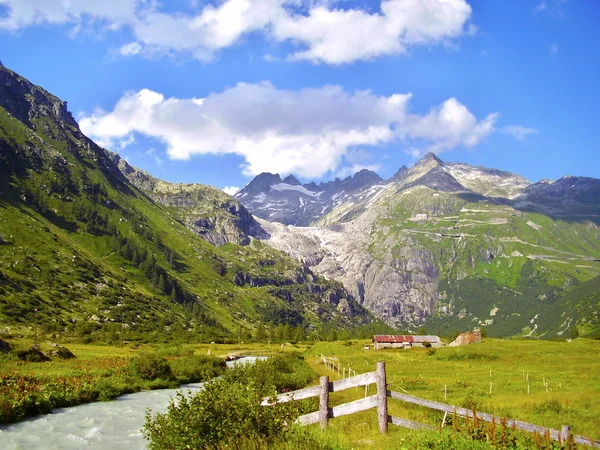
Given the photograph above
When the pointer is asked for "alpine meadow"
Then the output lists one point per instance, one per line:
(299, 224)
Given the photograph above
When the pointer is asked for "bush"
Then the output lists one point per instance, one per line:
(228, 411)
(192, 369)
(31, 355)
(471, 357)
(283, 372)
(221, 412)
(150, 366)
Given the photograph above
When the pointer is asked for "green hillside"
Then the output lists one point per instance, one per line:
(513, 272)
(96, 257)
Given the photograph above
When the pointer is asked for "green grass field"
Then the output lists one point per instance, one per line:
(570, 369)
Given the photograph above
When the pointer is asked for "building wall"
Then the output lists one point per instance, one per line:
(379, 345)
(466, 338)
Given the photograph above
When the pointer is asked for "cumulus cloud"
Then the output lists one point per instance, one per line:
(231, 190)
(338, 36)
(24, 13)
(322, 32)
(309, 132)
(519, 132)
(449, 126)
(133, 48)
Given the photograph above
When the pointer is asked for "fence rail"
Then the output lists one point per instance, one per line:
(379, 401)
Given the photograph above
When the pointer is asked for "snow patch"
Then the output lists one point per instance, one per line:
(291, 187)
(260, 198)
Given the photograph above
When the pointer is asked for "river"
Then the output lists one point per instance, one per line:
(104, 425)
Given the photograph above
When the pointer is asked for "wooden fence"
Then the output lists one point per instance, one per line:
(380, 401)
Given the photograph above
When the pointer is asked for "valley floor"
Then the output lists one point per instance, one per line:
(563, 380)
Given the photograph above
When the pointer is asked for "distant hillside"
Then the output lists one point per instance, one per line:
(96, 256)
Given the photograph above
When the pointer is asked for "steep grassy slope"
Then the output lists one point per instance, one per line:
(92, 253)
(209, 212)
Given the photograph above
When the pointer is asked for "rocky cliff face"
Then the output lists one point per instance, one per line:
(574, 195)
(26, 102)
(396, 283)
(207, 211)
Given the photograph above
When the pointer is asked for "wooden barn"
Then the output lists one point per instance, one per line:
(405, 341)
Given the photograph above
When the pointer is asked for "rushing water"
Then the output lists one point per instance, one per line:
(103, 425)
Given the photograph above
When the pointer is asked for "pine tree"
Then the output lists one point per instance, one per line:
(299, 334)
(162, 286)
(260, 334)
(287, 332)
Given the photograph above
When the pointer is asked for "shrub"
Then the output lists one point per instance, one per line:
(150, 366)
(4, 346)
(228, 411)
(31, 355)
(221, 412)
(286, 371)
(192, 369)
(471, 357)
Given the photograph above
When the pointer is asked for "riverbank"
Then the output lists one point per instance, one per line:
(33, 388)
(102, 372)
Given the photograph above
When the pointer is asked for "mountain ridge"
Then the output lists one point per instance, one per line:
(93, 254)
(414, 249)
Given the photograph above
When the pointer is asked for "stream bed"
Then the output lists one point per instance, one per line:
(104, 425)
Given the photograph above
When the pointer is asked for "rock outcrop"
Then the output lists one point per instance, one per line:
(207, 211)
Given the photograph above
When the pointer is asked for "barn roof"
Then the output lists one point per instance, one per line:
(399, 339)
(430, 339)
(392, 339)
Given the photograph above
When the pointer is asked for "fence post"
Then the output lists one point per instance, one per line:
(564, 435)
(382, 411)
(324, 402)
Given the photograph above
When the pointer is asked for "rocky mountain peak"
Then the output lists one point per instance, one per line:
(362, 178)
(431, 158)
(400, 174)
(261, 183)
(26, 101)
(291, 179)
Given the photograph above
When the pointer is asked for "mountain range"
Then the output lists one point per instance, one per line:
(92, 245)
(446, 245)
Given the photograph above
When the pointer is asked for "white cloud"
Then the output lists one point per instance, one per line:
(553, 8)
(131, 49)
(449, 126)
(126, 142)
(519, 132)
(24, 13)
(309, 132)
(231, 190)
(541, 7)
(554, 49)
(338, 36)
(323, 33)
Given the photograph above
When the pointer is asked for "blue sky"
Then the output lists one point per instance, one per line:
(217, 92)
